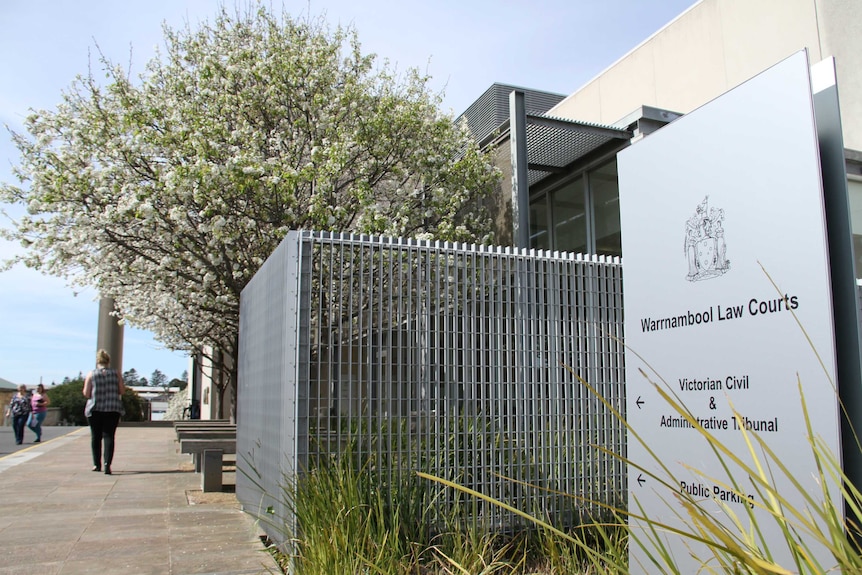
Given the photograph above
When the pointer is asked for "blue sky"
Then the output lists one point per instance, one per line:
(47, 332)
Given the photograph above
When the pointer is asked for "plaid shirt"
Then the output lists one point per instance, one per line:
(106, 391)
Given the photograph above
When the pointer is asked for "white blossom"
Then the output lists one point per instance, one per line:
(170, 191)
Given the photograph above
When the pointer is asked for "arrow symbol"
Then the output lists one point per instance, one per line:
(639, 402)
(641, 480)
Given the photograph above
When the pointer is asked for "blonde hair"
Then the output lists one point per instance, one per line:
(102, 358)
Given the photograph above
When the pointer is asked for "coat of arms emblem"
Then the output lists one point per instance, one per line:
(705, 249)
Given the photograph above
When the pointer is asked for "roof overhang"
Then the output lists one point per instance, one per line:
(555, 144)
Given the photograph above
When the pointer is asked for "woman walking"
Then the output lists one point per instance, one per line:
(104, 390)
(19, 409)
(39, 403)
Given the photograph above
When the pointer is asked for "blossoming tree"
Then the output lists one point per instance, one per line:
(167, 192)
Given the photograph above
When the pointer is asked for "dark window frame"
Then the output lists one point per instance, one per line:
(545, 189)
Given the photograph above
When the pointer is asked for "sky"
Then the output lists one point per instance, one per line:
(47, 330)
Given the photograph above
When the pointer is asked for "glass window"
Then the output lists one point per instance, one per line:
(560, 220)
(605, 191)
(539, 237)
(568, 210)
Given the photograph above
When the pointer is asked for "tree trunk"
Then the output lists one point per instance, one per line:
(233, 381)
(225, 383)
(218, 382)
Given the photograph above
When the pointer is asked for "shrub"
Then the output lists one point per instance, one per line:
(69, 397)
(134, 406)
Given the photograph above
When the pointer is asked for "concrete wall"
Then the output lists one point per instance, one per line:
(718, 44)
(52, 417)
(5, 398)
(207, 373)
(209, 392)
(841, 36)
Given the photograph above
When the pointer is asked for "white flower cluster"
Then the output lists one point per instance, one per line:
(168, 192)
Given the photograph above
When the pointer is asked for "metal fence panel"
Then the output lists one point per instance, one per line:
(268, 381)
(458, 360)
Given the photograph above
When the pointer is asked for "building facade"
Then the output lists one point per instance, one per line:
(568, 187)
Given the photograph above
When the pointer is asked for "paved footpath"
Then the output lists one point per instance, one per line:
(59, 518)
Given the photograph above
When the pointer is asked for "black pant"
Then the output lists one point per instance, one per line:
(103, 425)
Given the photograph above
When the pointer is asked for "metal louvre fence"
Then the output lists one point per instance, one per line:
(455, 360)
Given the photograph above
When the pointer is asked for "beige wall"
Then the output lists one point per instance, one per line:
(209, 392)
(841, 36)
(718, 44)
(5, 398)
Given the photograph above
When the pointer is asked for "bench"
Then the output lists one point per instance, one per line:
(205, 431)
(202, 423)
(207, 440)
(198, 433)
(209, 459)
(183, 428)
(206, 428)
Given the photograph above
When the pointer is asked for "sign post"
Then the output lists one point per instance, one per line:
(728, 308)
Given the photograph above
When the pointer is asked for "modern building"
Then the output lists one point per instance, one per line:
(157, 399)
(206, 379)
(560, 186)
(7, 390)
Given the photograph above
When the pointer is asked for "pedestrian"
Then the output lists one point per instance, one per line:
(103, 388)
(39, 403)
(19, 409)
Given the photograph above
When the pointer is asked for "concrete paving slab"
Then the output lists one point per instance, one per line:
(64, 519)
(21, 553)
(118, 564)
(26, 569)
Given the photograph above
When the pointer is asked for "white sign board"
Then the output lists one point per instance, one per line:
(713, 206)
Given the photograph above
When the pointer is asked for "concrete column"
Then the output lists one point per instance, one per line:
(211, 470)
(110, 333)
